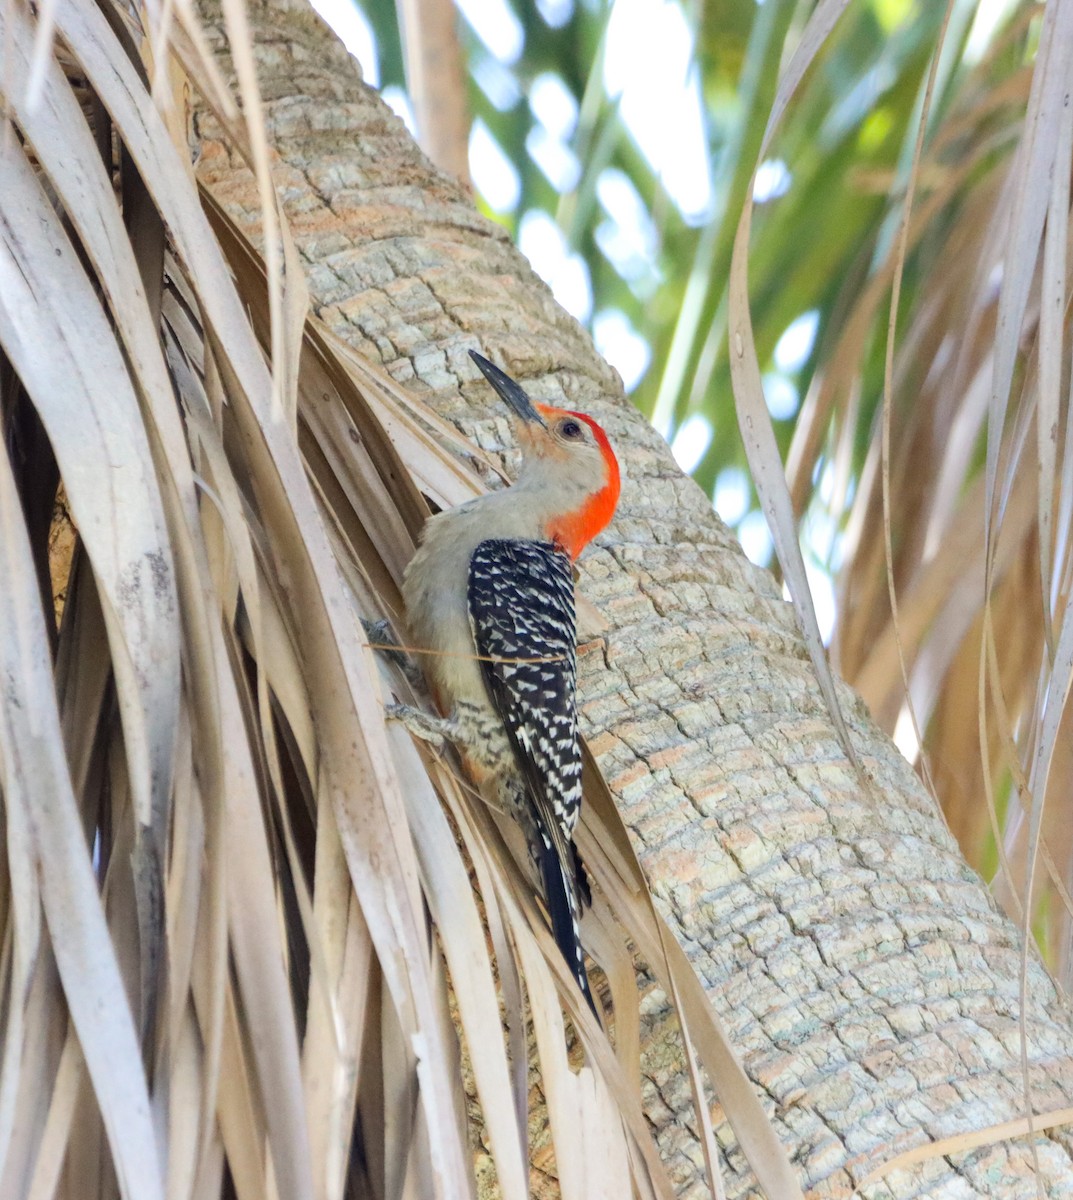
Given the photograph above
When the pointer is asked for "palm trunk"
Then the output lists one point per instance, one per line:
(864, 973)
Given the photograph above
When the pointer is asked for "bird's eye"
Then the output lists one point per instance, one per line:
(570, 429)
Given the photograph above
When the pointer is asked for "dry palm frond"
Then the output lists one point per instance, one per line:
(242, 949)
(940, 393)
(979, 455)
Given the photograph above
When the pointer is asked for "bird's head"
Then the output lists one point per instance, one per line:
(566, 458)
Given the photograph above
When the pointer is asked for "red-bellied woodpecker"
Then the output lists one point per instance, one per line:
(490, 593)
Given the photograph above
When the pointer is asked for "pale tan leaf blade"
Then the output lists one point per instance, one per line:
(1033, 166)
(754, 421)
(36, 779)
(84, 397)
(960, 1142)
(1050, 356)
(64, 146)
(450, 898)
(24, 916)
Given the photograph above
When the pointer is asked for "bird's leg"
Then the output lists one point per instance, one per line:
(476, 732)
(435, 730)
(382, 637)
(483, 752)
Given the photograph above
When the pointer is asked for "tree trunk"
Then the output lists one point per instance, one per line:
(866, 977)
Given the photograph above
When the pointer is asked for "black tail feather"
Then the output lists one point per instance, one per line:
(563, 908)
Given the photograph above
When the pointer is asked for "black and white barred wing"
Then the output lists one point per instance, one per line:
(521, 604)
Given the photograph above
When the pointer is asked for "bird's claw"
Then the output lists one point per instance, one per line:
(382, 637)
(421, 724)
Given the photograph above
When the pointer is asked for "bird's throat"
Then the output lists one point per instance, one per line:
(573, 531)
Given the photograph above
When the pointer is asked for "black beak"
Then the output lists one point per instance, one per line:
(508, 390)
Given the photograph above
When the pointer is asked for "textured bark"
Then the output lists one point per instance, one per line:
(863, 971)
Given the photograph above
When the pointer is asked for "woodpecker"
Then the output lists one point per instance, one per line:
(490, 594)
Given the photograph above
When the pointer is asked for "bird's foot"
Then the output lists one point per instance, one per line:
(382, 637)
(436, 731)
